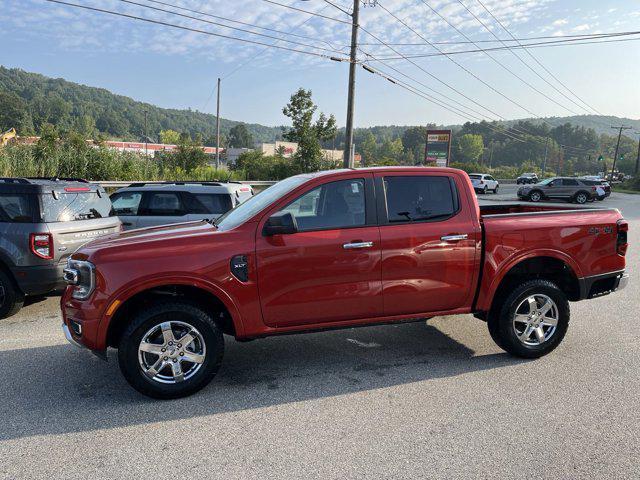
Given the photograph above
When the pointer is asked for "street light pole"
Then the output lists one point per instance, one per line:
(638, 157)
(348, 147)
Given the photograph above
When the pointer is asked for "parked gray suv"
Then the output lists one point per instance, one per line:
(150, 204)
(566, 188)
(42, 222)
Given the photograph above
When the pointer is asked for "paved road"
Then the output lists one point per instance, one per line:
(434, 400)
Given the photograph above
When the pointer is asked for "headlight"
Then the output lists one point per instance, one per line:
(81, 275)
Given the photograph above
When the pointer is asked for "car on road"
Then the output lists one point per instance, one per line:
(484, 183)
(42, 222)
(337, 249)
(527, 178)
(149, 204)
(559, 188)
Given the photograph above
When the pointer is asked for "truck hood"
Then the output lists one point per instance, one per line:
(177, 231)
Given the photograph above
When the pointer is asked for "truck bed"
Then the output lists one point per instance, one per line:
(580, 239)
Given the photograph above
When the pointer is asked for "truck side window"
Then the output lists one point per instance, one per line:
(15, 208)
(332, 205)
(419, 198)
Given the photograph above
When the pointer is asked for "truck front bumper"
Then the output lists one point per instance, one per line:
(599, 285)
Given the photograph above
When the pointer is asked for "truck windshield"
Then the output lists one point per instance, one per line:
(68, 207)
(255, 204)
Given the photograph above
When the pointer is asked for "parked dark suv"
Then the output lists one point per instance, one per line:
(42, 222)
(565, 188)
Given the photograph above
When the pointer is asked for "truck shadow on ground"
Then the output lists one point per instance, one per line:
(62, 389)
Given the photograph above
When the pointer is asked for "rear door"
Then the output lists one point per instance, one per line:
(570, 187)
(126, 206)
(206, 206)
(328, 271)
(429, 242)
(161, 208)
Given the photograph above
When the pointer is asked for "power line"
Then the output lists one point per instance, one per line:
(459, 64)
(204, 32)
(556, 43)
(131, 2)
(539, 63)
(496, 60)
(463, 42)
(308, 12)
(269, 29)
(346, 12)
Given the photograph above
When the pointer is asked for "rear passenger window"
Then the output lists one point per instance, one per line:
(420, 198)
(217, 203)
(569, 182)
(164, 204)
(15, 208)
(126, 203)
(332, 205)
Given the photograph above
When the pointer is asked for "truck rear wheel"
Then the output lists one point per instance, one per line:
(532, 321)
(11, 298)
(171, 350)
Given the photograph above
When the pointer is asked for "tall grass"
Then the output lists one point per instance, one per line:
(97, 163)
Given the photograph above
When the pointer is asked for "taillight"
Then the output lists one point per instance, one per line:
(41, 245)
(594, 189)
(621, 241)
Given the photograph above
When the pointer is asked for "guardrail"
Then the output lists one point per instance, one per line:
(121, 184)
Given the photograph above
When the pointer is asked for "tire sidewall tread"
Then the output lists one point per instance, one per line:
(14, 298)
(501, 325)
(146, 319)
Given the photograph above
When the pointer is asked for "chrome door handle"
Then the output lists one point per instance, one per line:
(454, 238)
(354, 245)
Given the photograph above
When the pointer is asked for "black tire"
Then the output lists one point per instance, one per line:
(500, 322)
(581, 198)
(600, 199)
(535, 196)
(484, 190)
(176, 312)
(495, 191)
(11, 298)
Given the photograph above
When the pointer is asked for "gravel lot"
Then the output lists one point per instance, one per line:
(422, 400)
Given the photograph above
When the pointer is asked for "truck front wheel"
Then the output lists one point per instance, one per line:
(171, 350)
(532, 321)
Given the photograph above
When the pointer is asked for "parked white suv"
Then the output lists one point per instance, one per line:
(149, 204)
(483, 183)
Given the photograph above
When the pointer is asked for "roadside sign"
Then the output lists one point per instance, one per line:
(438, 148)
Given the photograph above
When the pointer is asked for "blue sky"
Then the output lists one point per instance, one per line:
(178, 69)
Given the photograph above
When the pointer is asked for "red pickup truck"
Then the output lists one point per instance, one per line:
(337, 249)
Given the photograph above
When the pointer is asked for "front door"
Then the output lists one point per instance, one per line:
(429, 243)
(329, 271)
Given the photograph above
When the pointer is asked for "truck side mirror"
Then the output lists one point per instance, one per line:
(281, 223)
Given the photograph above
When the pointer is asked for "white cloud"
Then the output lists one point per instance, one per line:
(581, 28)
(560, 22)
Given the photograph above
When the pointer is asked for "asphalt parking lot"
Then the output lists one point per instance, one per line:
(420, 400)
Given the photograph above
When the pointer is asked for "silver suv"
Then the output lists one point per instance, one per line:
(566, 188)
(42, 222)
(150, 204)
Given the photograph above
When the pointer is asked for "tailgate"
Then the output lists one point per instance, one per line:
(69, 236)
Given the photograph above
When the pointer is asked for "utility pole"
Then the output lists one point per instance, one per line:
(146, 139)
(544, 162)
(615, 156)
(491, 155)
(348, 147)
(638, 157)
(218, 129)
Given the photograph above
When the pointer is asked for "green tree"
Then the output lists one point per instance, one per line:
(413, 141)
(169, 137)
(369, 149)
(12, 112)
(240, 137)
(470, 147)
(306, 132)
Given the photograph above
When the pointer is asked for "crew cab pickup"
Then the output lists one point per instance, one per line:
(337, 249)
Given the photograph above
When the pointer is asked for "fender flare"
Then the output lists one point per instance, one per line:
(133, 288)
(514, 261)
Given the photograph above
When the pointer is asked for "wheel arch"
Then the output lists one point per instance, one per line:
(553, 266)
(209, 297)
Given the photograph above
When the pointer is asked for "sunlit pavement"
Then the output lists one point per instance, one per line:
(421, 400)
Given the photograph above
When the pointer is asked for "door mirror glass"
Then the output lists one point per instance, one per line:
(281, 223)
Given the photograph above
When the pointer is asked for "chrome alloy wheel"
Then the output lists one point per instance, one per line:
(536, 319)
(171, 352)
